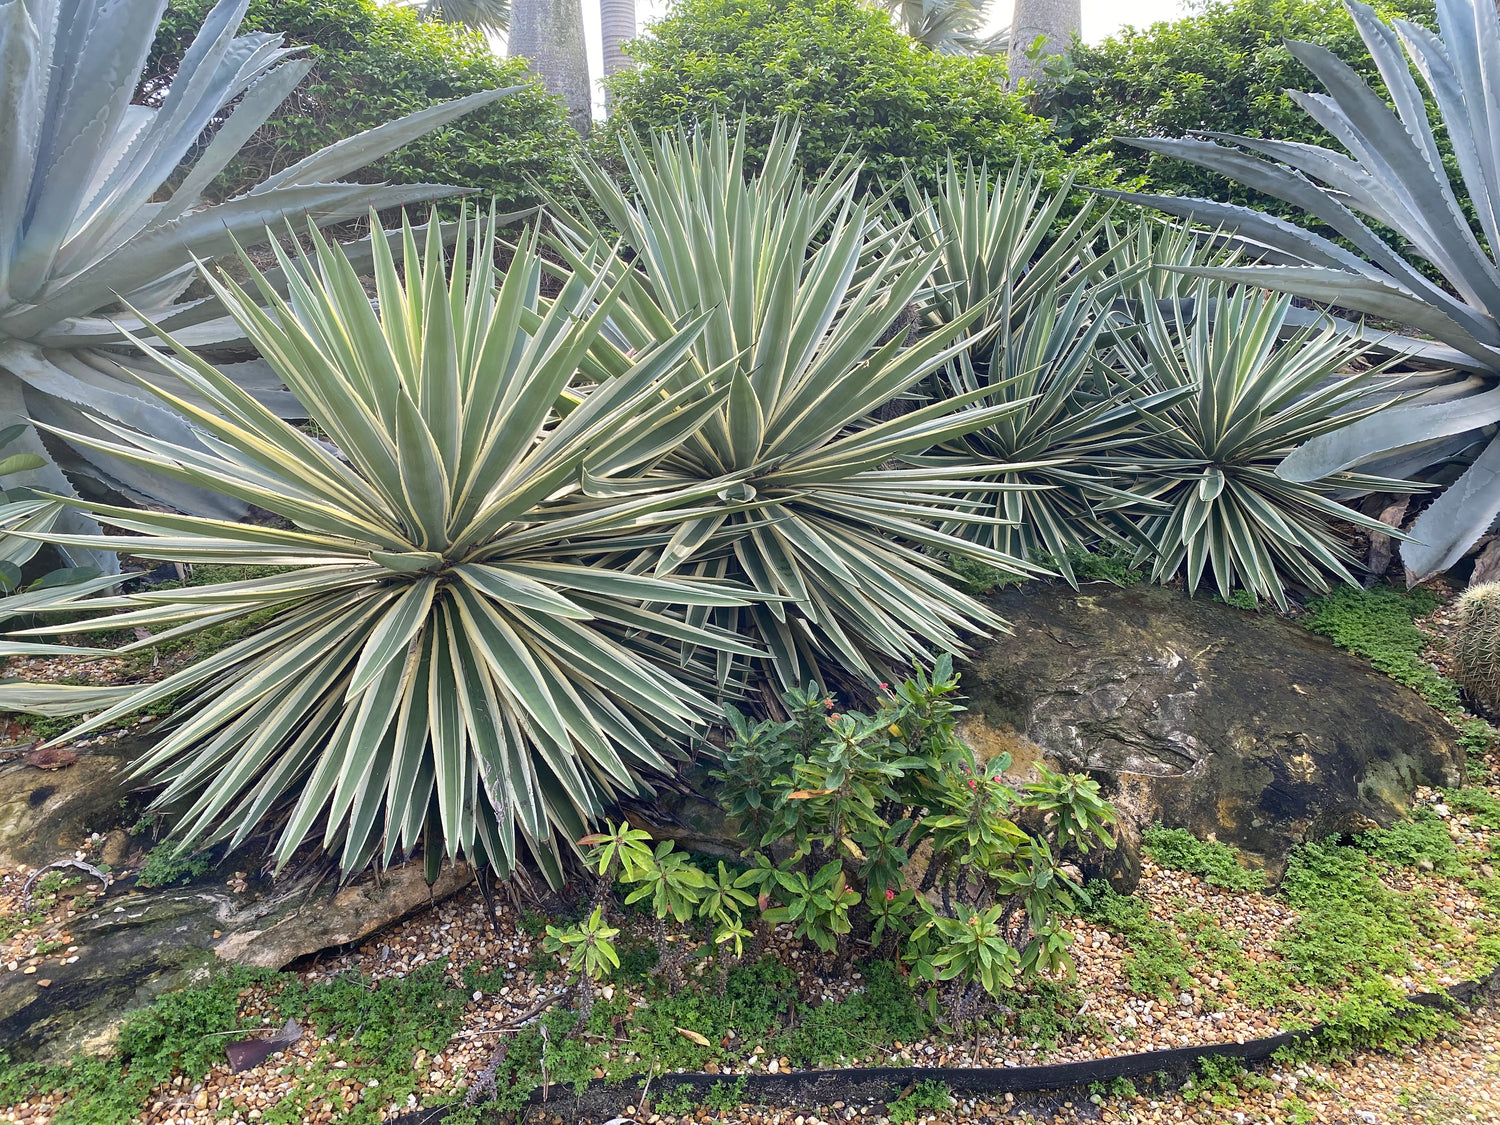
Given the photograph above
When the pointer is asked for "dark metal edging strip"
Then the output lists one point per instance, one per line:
(822, 1087)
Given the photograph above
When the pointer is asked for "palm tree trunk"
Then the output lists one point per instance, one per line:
(616, 27)
(549, 33)
(1057, 21)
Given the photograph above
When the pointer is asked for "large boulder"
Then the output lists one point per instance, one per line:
(1242, 727)
(135, 942)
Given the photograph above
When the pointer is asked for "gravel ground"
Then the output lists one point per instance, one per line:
(1453, 1080)
(459, 931)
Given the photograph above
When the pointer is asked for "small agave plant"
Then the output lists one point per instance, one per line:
(96, 208)
(437, 663)
(1392, 173)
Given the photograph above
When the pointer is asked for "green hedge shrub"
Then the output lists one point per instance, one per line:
(845, 69)
(376, 62)
(1224, 68)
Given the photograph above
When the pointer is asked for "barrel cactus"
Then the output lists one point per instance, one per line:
(1477, 645)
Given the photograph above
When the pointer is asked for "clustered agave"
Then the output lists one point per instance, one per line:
(1151, 410)
(1394, 175)
(1251, 401)
(547, 536)
(1040, 347)
(96, 207)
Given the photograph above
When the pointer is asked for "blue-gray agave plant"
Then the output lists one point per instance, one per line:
(1393, 174)
(95, 210)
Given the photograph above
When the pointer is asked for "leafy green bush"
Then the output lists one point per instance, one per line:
(1223, 68)
(853, 78)
(374, 62)
(839, 801)
(1210, 860)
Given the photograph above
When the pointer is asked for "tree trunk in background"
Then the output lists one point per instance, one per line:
(1058, 20)
(616, 27)
(549, 33)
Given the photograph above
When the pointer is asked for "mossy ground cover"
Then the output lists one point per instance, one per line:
(1360, 907)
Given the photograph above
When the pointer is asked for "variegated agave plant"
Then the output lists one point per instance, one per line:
(1247, 400)
(1394, 174)
(87, 218)
(805, 290)
(1045, 305)
(440, 662)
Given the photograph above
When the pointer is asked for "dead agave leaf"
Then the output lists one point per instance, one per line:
(246, 1054)
(52, 757)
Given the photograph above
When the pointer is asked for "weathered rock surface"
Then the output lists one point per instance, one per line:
(1238, 726)
(136, 943)
(44, 814)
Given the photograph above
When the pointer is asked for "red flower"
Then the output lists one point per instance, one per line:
(889, 894)
(973, 784)
(885, 687)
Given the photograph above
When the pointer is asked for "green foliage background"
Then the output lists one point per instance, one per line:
(1224, 68)
(375, 62)
(847, 71)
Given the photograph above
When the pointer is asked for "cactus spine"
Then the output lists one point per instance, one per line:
(1476, 645)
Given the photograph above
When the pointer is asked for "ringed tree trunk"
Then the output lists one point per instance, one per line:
(549, 35)
(1058, 21)
(616, 27)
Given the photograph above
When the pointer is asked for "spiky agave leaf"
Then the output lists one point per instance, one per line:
(440, 664)
(1394, 174)
(801, 285)
(86, 217)
(1250, 401)
(1044, 309)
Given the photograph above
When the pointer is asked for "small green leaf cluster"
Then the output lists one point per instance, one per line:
(1213, 862)
(587, 948)
(169, 863)
(1379, 624)
(1422, 842)
(926, 1096)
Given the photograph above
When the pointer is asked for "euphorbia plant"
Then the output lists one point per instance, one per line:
(832, 863)
(588, 950)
